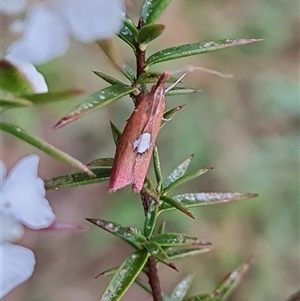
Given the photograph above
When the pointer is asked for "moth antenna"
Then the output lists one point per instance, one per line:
(207, 70)
(177, 81)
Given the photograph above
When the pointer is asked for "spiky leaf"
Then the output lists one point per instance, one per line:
(181, 51)
(44, 146)
(95, 102)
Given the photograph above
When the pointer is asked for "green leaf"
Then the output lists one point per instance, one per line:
(115, 133)
(108, 272)
(145, 286)
(159, 254)
(162, 227)
(44, 146)
(187, 178)
(109, 79)
(128, 33)
(125, 276)
(182, 253)
(152, 9)
(194, 49)
(181, 91)
(178, 239)
(174, 204)
(12, 80)
(181, 288)
(149, 33)
(229, 283)
(10, 101)
(207, 198)
(150, 219)
(95, 102)
(151, 77)
(50, 97)
(157, 167)
(168, 115)
(78, 179)
(178, 172)
(129, 73)
(128, 234)
(101, 162)
(202, 297)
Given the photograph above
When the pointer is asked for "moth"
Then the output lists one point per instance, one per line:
(135, 146)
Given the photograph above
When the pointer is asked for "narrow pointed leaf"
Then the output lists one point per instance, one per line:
(116, 133)
(187, 178)
(202, 297)
(9, 101)
(182, 253)
(51, 97)
(109, 79)
(178, 239)
(181, 288)
(174, 204)
(12, 80)
(78, 179)
(178, 172)
(149, 33)
(129, 73)
(128, 33)
(128, 234)
(44, 146)
(162, 227)
(181, 91)
(207, 198)
(168, 115)
(125, 276)
(95, 102)
(157, 167)
(230, 282)
(108, 272)
(146, 287)
(159, 254)
(194, 49)
(101, 162)
(150, 219)
(152, 9)
(151, 77)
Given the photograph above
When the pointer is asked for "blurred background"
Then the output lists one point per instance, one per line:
(246, 127)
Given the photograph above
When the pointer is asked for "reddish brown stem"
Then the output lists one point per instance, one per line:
(154, 279)
(152, 266)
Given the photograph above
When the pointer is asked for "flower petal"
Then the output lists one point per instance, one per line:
(45, 36)
(90, 20)
(17, 265)
(11, 230)
(23, 195)
(11, 7)
(2, 172)
(35, 78)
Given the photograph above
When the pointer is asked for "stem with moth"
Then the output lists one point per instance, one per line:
(152, 265)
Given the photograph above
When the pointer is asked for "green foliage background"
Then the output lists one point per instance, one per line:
(247, 127)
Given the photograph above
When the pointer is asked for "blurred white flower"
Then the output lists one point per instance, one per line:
(35, 78)
(22, 202)
(49, 23)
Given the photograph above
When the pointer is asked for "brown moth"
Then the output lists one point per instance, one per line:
(135, 146)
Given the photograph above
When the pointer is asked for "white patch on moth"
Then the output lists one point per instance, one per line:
(142, 144)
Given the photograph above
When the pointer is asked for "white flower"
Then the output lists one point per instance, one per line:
(49, 23)
(35, 78)
(22, 202)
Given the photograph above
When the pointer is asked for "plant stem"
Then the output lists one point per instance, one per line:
(154, 279)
